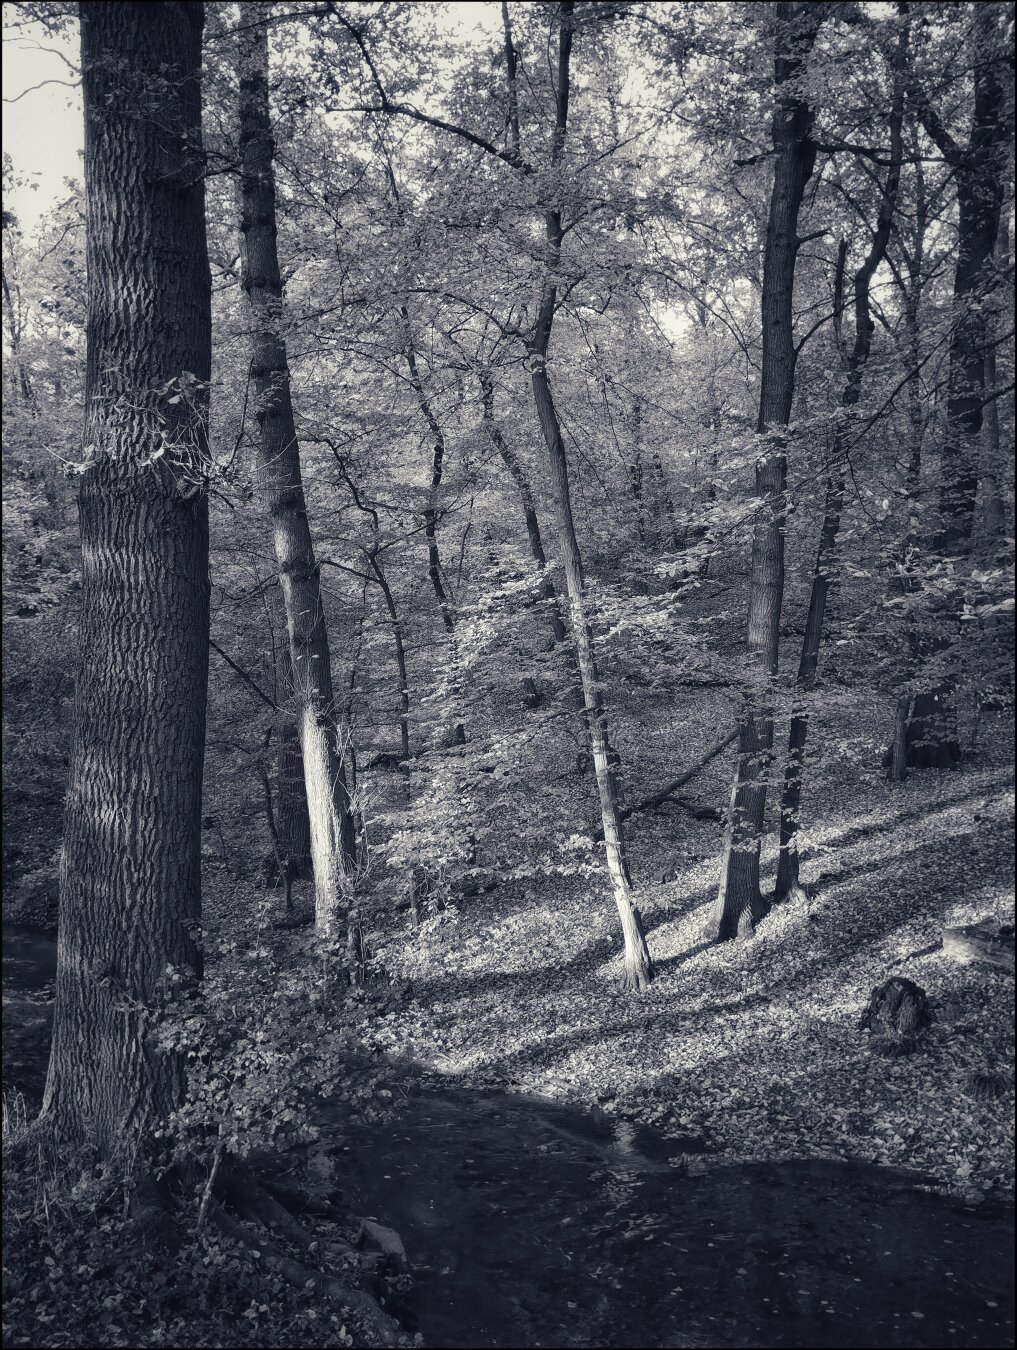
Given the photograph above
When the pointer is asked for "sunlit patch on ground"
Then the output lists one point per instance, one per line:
(756, 1046)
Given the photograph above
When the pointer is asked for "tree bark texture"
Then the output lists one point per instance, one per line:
(321, 731)
(826, 560)
(740, 903)
(638, 965)
(130, 893)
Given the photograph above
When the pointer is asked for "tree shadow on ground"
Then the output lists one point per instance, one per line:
(832, 943)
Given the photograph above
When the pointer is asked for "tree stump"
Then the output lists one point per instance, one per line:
(898, 1010)
(986, 941)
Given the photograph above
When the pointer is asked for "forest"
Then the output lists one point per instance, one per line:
(508, 559)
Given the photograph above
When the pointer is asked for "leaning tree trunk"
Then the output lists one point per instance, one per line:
(638, 965)
(740, 902)
(322, 736)
(130, 896)
(825, 572)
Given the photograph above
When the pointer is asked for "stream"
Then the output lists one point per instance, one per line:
(532, 1224)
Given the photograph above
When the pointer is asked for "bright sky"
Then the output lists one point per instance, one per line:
(43, 131)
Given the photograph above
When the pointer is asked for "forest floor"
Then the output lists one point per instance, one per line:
(754, 1046)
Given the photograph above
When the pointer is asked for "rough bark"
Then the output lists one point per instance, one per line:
(826, 561)
(638, 965)
(740, 903)
(130, 899)
(322, 735)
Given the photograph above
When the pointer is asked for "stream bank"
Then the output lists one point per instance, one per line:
(528, 1222)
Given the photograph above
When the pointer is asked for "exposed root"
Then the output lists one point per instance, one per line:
(796, 891)
(249, 1198)
(303, 1277)
(152, 1212)
(637, 976)
(299, 1201)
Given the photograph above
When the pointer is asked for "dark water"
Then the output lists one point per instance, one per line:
(529, 1224)
(29, 961)
(539, 1229)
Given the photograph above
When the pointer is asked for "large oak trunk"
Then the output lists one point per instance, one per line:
(322, 735)
(740, 903)
(130, 897)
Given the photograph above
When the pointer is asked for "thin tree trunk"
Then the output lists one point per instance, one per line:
(740, 902)
(293, 824)
(826, 562)
(904, 580)
(130, 888)
(993, 522)
(322, 737)
(434, 568)
(24, 382)
(638, 965)
(431, 514)
(511, 461)
(400, 653)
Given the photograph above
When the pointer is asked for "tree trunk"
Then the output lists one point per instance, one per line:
(897, 768)
(740, 903)
(638, 965)
(23, 382)
(322, 737)
(293, 824)
(547, 592)
(826, 561)
(979, 169)
(993, 460)
(979, 178)
(400, 653)
(431, 514)
(130, 896)
(434, 568)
